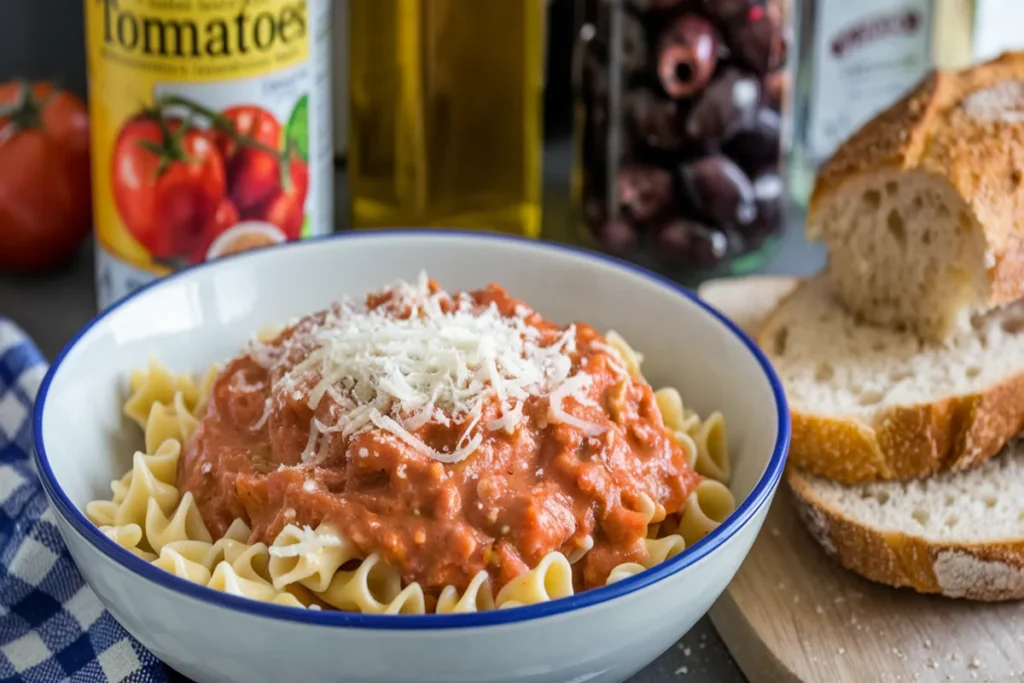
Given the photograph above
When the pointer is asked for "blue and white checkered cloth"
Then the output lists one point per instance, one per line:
(52, 626)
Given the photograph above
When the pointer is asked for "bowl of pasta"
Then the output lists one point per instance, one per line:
(410, 456)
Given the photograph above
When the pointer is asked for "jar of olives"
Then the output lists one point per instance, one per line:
(680, 131)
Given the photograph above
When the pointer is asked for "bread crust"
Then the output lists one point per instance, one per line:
(929, 130)
(907, 442)
(983, 571)
(903, 442)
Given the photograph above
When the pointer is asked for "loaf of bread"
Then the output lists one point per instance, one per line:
(870, 403)
(960, 534)
(922, 209)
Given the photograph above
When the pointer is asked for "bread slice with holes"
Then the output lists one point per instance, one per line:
(870, 403)
(959, 534)
(922, 209)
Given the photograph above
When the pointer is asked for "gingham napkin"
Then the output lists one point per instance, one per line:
(52, 626)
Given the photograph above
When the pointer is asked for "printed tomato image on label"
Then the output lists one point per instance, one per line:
(210, 131)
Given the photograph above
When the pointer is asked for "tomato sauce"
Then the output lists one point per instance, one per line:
(546, 486)
(209, 120)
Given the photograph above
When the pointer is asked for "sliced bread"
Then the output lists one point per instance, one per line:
(747, 300)
(870, 403)
(922, 209)
(960, 534)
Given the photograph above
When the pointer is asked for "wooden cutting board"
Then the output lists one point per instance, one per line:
(792, 615)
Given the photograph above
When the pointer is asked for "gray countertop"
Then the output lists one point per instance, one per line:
(52, 307)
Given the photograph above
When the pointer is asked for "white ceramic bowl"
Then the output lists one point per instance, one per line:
(205, 314)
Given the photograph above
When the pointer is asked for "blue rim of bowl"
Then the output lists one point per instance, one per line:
(758, 497)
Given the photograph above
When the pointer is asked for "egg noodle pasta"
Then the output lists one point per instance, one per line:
(319, 567)
(310, 557)
(478, 597)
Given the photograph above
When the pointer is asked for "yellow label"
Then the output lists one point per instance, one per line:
(202, 40)
(207, 120)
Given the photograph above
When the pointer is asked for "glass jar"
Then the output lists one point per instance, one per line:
(680, 132)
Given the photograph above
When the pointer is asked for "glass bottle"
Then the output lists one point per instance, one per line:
(680, 131)
(856, 58)
(445, 114)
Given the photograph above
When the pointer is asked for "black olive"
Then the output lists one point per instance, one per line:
(757, 147)
(687, 55)
(728, 105)
(644, 192)
(759, 42)
(687, 242)
(654, 121)
(770, 198)
(720, 190)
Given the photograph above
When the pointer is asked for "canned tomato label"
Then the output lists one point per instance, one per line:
(211, 131)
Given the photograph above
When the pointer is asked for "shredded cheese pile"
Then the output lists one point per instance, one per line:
(399, 373)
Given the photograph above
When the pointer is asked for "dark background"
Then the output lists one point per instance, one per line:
(45, 39)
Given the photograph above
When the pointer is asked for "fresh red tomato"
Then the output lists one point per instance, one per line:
(254, 174)
(286, 209)
(45, 193)
(168, 182)
(225, 217)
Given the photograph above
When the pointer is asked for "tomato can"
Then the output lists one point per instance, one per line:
(211, 131)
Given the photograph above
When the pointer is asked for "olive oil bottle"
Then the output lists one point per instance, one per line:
(445, 113)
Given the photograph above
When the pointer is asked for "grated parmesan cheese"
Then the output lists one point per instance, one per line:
(399, 373)
(569, 387)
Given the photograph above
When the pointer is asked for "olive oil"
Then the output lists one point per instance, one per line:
(445, 113)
